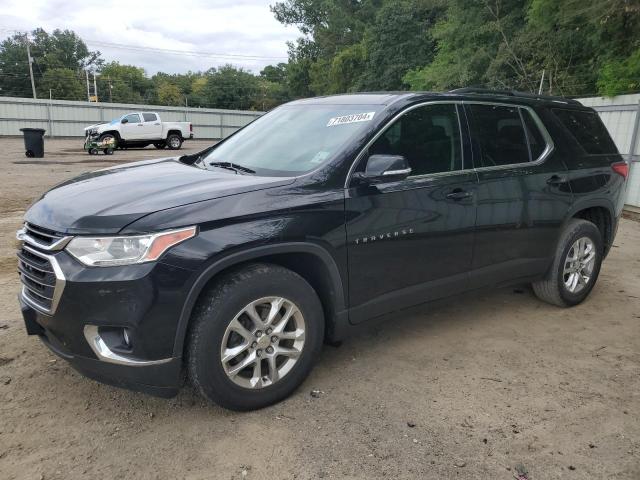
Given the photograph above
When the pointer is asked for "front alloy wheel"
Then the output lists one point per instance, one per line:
(263, 342)
(254, 336)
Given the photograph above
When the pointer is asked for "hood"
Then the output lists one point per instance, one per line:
(105, 201)
(95, 125)
(102, 124)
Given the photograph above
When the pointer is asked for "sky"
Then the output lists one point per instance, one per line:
(241, 32)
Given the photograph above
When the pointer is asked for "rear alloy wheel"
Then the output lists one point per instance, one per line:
(174, 141)
(579, 265)
(254, 337)
(575, 267)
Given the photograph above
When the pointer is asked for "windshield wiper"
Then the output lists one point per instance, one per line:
(232, 166)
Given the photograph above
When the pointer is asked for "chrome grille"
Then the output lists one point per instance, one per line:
(41, 276)
(42, 236)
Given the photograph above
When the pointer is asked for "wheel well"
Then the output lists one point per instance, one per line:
(601, 218)
(115, 133)
(176, 132)
(308, 266)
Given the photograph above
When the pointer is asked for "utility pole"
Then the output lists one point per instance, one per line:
(95, 87)
(541, 82)
(86, 74)
(33, 85)
(49, 113)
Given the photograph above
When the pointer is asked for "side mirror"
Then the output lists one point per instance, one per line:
(384, 168)
(124, 120)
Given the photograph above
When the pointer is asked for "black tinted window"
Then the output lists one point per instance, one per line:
(149, 117)
(536, 140)
(588, 130)
(499, 133)
(428, 137)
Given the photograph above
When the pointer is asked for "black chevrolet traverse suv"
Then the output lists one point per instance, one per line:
(236, 263)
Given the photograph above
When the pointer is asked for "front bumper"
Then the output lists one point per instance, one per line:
(145, 299)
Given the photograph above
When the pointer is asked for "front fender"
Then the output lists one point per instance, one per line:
(256, 253)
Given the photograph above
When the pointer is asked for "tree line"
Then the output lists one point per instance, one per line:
(564, 47)
(61, 58)
(584, 47)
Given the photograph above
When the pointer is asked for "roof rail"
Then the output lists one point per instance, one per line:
(512, 93)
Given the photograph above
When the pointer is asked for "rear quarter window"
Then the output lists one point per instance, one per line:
(588, 130)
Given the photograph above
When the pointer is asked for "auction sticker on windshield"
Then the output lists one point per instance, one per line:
(356, 117)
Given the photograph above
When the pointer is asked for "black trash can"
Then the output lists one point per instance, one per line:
(33, 142)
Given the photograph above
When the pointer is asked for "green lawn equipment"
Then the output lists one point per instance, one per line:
(93, 144)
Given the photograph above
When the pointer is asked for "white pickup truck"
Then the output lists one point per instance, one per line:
(139, 129)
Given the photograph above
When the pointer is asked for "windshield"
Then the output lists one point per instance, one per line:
(292, 139)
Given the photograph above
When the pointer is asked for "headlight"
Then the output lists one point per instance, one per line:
(126, 250)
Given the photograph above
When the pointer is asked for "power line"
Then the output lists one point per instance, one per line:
(193, 53)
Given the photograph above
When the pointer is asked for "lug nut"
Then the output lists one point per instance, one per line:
(258, 333)
(269, 349)
(259, 353)
(269, 331)
(274, 339)
(254, 344)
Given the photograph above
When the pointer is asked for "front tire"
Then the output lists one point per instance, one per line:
(108, 138)
(254, 337)
(576, 265)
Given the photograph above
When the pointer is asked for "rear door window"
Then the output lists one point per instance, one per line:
(588, 130)
(149, 117)
(500, 135)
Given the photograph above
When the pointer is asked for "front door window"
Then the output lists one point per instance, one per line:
(428, 137)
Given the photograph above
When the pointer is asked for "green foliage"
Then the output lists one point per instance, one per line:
(475, 47)
(62, 50)
(169, 93)
(63, 83)
(398, 41)
(583, 47)
(620, 76)
(231, 87)
(128, 84)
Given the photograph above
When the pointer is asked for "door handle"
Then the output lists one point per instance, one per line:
(140, 125)
(557, 180)
(458, 194)
(156, 124)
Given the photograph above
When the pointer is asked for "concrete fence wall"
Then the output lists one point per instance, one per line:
(62, 118)
(621, 115)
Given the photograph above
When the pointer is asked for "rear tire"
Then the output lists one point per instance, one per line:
(174, 141)
(558, 287)
(220, 313)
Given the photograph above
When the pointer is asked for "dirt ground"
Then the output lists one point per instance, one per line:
(486, 386)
